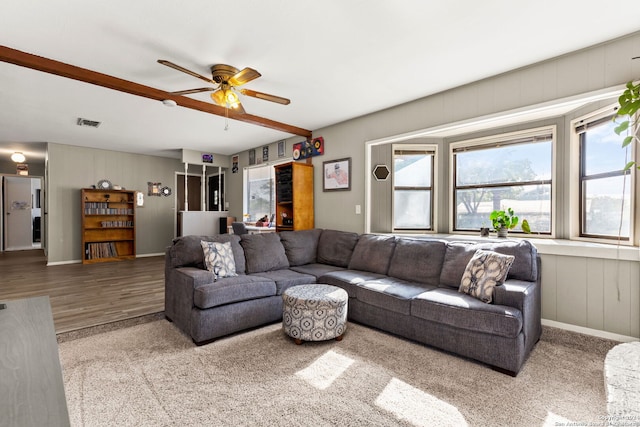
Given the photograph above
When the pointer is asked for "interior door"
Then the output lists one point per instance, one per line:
(17, 209)
(216, 192)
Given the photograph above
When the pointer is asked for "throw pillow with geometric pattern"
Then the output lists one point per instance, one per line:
(218, 258)
(485, 271)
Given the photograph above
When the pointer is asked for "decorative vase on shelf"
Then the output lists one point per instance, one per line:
(503, 232)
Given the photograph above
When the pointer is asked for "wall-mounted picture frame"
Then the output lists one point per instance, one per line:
(234, 163)
(281, 148)
(336, 175)
(305, 149)
(154, 189)
(252, 157)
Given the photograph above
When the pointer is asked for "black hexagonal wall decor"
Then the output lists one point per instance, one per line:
(381, 172)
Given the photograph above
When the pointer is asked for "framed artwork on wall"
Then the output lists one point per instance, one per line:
(234, 164)
(337, 175)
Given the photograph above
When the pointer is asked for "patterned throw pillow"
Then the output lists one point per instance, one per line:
(485, 270)
(218, 258)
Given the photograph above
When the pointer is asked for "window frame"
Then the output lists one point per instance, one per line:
(577, 189)
(245, 184)
(427, 148)
(497, 140)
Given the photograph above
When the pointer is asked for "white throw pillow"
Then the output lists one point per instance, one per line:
(218, 258)
(485, 271)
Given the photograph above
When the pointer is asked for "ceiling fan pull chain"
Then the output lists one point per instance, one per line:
(226, 118)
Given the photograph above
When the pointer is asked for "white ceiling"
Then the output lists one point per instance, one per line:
(335, 59)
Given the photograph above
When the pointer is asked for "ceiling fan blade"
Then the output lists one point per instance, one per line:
(243, 76)
(188, 91)
(184, 70)
(265, 96)
(239, 109)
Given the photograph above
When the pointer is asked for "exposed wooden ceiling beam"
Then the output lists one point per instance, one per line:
(52, 66)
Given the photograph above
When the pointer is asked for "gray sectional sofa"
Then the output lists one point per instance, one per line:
(405, 286)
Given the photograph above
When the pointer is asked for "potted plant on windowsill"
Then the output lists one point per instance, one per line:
(505, 220)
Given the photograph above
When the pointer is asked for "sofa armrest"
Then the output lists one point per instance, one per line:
(194, 276)
(526, 297)
(179, 285)
(514, 293)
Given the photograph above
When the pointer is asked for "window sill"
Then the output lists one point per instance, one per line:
(554, 246)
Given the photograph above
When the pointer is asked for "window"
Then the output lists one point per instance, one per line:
(259, 194)
(413, 172)
(604, 188)
(504, 171)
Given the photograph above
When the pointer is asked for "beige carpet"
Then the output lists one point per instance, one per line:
(150, 374)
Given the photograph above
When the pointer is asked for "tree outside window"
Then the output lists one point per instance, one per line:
(605, 188)
(512, 173)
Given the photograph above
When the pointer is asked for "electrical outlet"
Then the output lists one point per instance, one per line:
(358, 210)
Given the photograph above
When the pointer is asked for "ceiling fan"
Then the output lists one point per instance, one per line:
(227, 81)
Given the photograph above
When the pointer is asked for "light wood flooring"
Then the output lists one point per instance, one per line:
(85, 295)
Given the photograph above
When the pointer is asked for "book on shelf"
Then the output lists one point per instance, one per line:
(102, 208)
(116, 224)
(101, 250)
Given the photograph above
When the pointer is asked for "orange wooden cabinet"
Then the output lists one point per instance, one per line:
(294, 196)
(108, 225)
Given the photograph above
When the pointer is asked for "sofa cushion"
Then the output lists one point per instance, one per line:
(316, 269)
(372, 253)
(450, 307)
(263, 252)
(186, 251)
(390, 293)
(458, 254)
(284, 279)
(218, 259)
(301, 246)
(348, 279)
(417, 260)
(485, 271)
(335, 247)
(232, 289)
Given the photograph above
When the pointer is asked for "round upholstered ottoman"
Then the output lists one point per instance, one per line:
(314, 312)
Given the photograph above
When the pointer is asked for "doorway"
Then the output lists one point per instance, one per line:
(21, 213)
(194, 198)
(216, 193)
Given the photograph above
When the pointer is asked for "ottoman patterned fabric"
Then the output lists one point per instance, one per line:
(314, 312)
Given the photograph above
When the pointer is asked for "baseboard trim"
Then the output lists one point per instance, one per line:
(588, 331)
(149, 255)
(78, 261)
(73, 261)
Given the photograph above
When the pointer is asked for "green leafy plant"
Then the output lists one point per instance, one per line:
(507, 219)
(629, 103)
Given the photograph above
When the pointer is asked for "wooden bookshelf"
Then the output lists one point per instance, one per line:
(294, 196)
(108, 225)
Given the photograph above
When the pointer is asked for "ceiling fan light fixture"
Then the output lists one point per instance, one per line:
(18, 157)
(231, 98)
(218, 97)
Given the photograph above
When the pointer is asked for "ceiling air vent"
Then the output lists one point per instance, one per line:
(87, 122)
